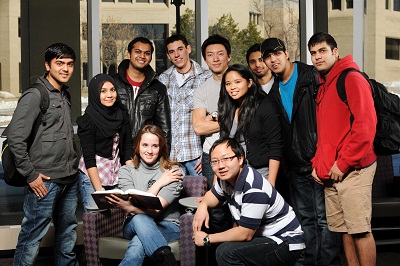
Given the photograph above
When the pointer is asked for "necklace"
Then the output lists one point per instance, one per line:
(190, 69)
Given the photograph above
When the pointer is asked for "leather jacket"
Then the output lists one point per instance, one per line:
(151, 105)
(299, 136)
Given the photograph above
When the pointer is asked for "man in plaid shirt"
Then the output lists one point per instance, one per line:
(181, 81)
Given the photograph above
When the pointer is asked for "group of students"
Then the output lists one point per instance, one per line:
(247, 132)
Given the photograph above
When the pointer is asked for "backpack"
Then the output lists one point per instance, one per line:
(387, 108)
(11, 175)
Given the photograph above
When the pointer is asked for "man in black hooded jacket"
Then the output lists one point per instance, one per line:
(292, 94)
(144, 96)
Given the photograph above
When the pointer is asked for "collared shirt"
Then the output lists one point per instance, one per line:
(254, 203)
(185, 144)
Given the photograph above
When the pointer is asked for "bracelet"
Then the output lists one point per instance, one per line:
(206, 241)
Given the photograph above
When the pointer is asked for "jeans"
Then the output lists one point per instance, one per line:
(322, 245)
(146, 237)
(86, 189)
(207, 170)
(188, 167)
(258, 251)
(58, 204)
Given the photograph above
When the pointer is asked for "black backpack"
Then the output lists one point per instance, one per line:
(11, 175)
(387, 107)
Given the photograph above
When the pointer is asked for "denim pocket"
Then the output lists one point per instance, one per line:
(281, 256)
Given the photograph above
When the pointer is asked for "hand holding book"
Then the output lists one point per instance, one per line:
(137, 198)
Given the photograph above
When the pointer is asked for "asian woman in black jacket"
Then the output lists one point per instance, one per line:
(246, 114)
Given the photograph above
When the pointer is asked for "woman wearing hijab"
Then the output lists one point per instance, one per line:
(105, 135)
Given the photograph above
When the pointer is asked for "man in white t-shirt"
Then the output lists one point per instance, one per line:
(216, 51)
(259, 68)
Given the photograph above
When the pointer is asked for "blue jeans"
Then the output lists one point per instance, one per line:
(188, 167)
(58, 204)
(86, 189)
(322, 245)
(146, 237)
(258, 251)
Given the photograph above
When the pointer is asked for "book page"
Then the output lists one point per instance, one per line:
(111, 191)
(138, 192)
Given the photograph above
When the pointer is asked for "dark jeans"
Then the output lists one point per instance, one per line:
(220, 217)
(322, 245)
(207, 169)
(258, 251)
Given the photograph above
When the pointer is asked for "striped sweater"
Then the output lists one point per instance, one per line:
(254, 203)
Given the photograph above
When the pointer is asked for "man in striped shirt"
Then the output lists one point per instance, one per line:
(266, 230)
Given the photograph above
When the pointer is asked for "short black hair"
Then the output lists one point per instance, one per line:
(254, 48)
(321, 37)
(58, 50)
(230, 142)
(142, 40)
(174, 38)
(215, 39)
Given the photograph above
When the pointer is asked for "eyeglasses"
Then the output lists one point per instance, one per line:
(223, 160)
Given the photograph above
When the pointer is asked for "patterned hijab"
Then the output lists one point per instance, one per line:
(108, 120)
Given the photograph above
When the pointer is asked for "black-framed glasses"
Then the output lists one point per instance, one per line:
(223, 160)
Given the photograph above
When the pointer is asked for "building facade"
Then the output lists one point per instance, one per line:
(381, 35)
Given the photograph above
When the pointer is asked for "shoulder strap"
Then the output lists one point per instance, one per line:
(44, 96)
(340, 84)
(44, 105)
(341, 90)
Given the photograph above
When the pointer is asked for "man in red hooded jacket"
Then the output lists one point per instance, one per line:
(345, 161)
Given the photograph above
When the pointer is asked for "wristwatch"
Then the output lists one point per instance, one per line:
(206, 241)
(214, 116)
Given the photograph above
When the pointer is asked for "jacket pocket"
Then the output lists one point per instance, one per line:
(53, 150)
(148, 104)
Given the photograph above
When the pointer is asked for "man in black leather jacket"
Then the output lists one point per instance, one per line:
(292, 93)
(144, 96)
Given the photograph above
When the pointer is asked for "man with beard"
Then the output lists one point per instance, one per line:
(259, 68)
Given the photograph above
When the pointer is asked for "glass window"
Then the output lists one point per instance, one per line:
(125, 1)
(396, 5)
(159, 1)
(142, 1)
(392, 48)
(110, 1)
(337, 4)
(349, 4)
(115, 39)
(387, 4)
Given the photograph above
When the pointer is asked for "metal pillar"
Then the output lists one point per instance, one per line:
(93, 47)
(358, 33)
(201, 21)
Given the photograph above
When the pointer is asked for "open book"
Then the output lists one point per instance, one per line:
(138, 198)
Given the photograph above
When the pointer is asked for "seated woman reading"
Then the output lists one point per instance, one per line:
(152, 171)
